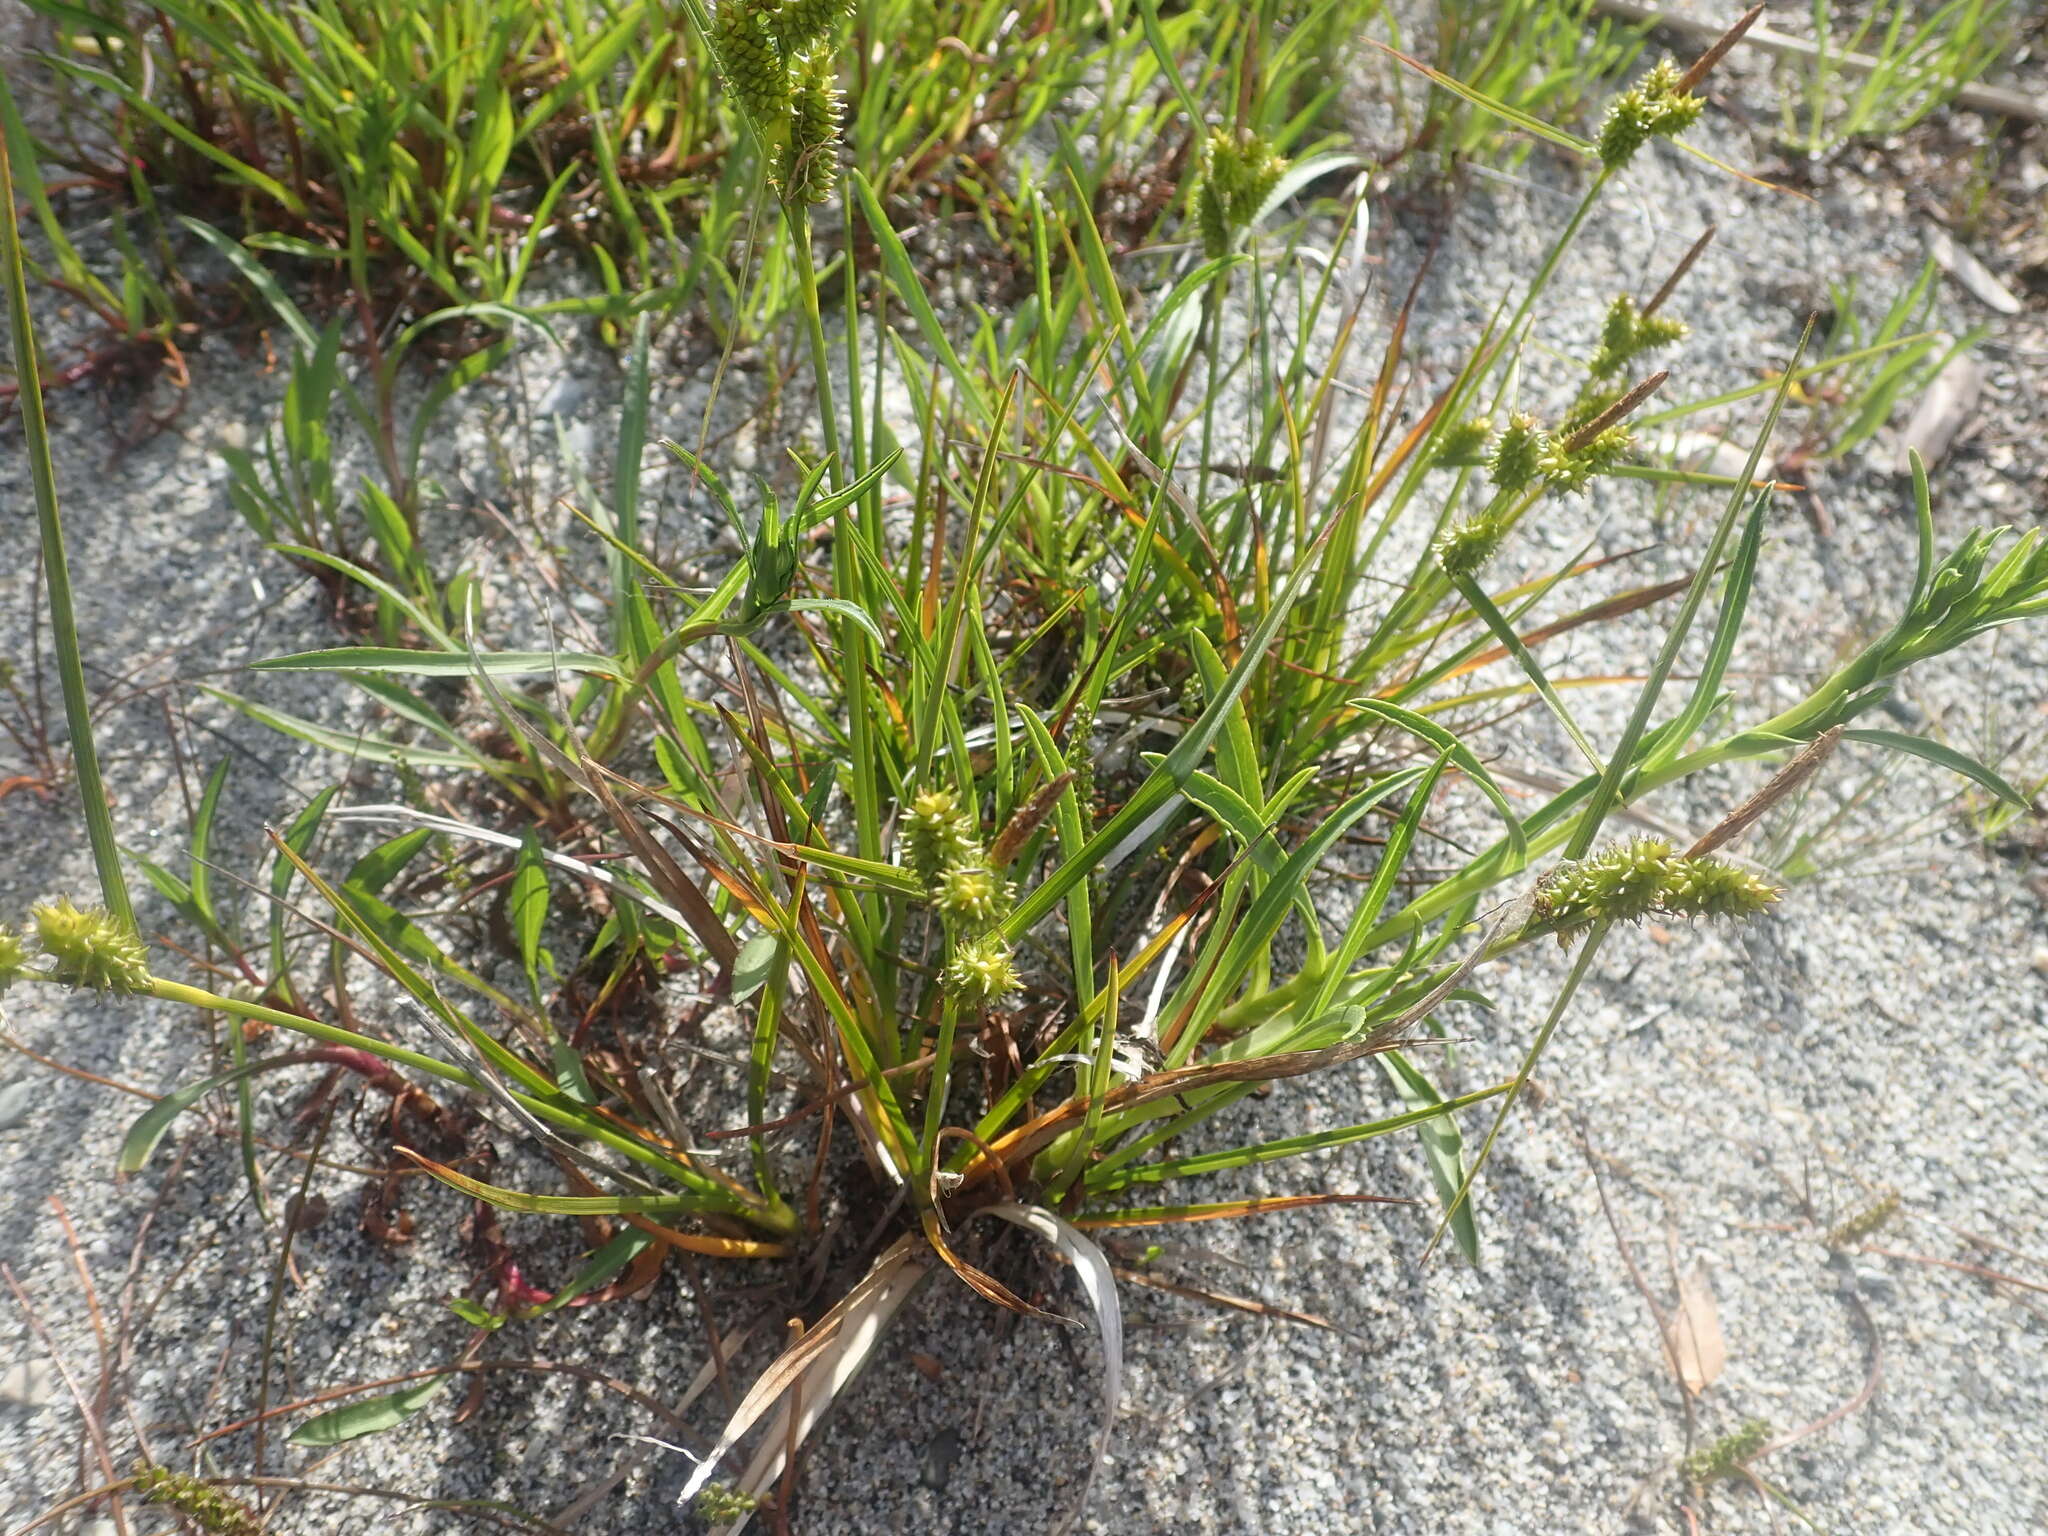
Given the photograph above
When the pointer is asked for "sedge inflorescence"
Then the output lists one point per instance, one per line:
(1630, 881)
(1239, 172)
(1659, 106)
(1727, 1454)
(90, 948)
(201, 1503)
(966, 892)
(779, 69)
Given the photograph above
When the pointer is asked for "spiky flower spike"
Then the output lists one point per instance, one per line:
(202, 1503)
(13, 958)
(1239, 172)
(801, 23)
(810, 157)
(1658, 106)
(92, 948)
(1569, 465)
(1710, 887)
(1514, 461)
(939, 834)
(1464, 445)
(980, 972)
(750, 57)
(1618, 884)
(971, 895)
(1629, 881)
(1626, 335)
(1464, 549)
(1725, 1455)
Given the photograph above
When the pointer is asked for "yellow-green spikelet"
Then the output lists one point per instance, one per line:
(810, 157)
(750, 57)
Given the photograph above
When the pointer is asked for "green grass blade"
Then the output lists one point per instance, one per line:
(35, 428)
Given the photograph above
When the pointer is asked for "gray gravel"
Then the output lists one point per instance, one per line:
(1882, 1031)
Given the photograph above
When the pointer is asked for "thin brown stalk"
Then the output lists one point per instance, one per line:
(1615, 412)
(1714, 54)
(1678, 272)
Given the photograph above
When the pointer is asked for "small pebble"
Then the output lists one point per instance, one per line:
(28, 1383)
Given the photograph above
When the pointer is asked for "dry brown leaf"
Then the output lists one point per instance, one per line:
(1693, 1336)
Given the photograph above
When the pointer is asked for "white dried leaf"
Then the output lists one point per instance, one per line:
(1693, 1336)
(1962, 265)
(1944, 410)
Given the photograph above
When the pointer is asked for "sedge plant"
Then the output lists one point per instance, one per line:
(1003, 825)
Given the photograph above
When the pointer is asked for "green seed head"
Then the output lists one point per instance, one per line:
(1710, 887)
(92, 949)
(1653, 108)
(13, 958)
(206, 1506)
(1463, 550)
(750, 58)
(980, 972)
(1726, 1454)
(971, 894)
(1629, 881)
(1514, 457)
(1847, 1234)
(810, 158)
(939, 834)
(1626, 335)
(1465, 444)
(1618, 884)
(801, 23)
(1239, 173)
(1568, 469)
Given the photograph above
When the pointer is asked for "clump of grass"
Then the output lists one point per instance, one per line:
(1003, 836)
(1884, 70)
(394, 144)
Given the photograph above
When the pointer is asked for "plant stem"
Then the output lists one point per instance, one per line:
(799, 226)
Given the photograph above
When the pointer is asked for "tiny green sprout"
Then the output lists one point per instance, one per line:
(721, 1503)
(1627, 335)
(971, 894)
(1728, 1453)
(1659, 106)
(1464, 445)
(202, 1503)
(1515, 456)
(980, 972)
(13, 958)
(1464, 549)
(92, 948)
(1239, 172)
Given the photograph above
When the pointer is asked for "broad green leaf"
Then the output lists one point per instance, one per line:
(1944, 756)
(371, 1416)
